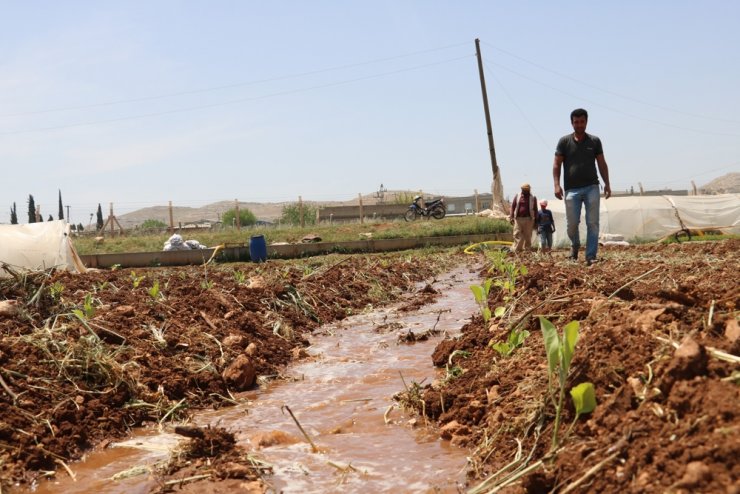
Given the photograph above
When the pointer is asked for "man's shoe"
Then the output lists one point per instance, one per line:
(591, 261)
(573, 255)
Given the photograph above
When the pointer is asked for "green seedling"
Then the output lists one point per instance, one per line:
(560, 349)
(154, 291)
(240, 277)
(88, 310)
(454, 371)
(206, 285)
(510, 271)
(100, 286)
(515, 340)
(480, 292)
(55, 290)
(136, 280)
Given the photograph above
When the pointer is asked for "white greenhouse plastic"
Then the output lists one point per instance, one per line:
(38, 246)
(654, 217)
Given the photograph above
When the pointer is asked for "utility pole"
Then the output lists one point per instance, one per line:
(498, 188)
(68, 220)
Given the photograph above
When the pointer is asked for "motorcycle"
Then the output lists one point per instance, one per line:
(435, 208)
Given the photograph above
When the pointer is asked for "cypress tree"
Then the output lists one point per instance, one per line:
(80, 228)
(13, 215)
(100, 218)
(61, 208)
(31, 209)
(51, 218)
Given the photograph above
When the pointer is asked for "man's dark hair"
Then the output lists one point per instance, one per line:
(578, 112)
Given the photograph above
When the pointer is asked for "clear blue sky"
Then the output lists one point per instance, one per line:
(142, 102)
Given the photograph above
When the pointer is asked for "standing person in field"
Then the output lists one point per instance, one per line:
(579, 154)
(545, 227)
(523, 216)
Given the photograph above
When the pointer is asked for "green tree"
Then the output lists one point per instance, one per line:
(404, 198)
(51, 218)
(31, 209)
(246, 217)
(100, 221)
(80, 228)
(61, 208)
(292, 214)
(13, 215)
(153, 224)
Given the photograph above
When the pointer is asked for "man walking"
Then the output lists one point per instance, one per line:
(523, 216)
(580, 153)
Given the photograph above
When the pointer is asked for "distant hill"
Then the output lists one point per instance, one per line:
(210, 213)
(269, 211)
(726, 184)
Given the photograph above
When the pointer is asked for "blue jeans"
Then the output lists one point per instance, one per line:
(574, 198)
(546, 238)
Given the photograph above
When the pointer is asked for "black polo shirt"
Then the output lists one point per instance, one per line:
(579, 160)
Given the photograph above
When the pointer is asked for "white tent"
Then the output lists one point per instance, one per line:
(38, 246)
(653, 217)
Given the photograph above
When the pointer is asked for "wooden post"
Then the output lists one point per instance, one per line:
(362, 216)
(477, 204)
(238, 218)
(693, 186)
(112, 221)
(497, 189)
(300, 211)
(172, 221)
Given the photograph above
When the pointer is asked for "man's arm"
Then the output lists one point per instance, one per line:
(512, 212)
(557, 165)
(604, 172)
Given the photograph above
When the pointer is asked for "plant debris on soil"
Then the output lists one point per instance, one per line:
(659, 340)
(83, 358)
(86, 357)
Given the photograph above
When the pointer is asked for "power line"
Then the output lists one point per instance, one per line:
(240, 100)
(230, 102)
(613, 93)
(234, 85)
(493, 74)
(637, 117)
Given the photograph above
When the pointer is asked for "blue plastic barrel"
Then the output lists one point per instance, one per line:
(258, 248)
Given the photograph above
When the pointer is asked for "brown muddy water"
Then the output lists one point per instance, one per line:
(342, 396)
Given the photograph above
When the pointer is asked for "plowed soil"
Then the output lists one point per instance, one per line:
(77, 374)
(666, 420)
(86, 357)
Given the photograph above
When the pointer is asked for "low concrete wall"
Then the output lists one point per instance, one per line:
(346, 213)
(286, 251)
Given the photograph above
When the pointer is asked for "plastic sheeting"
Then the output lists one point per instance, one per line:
(38, 246)
(654, 217)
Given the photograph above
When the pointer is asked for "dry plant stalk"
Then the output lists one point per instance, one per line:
(305, 434)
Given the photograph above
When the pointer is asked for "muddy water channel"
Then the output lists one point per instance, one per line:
(342, 395)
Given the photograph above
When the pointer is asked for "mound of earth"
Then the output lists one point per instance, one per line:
(83, 358)
(659, 340)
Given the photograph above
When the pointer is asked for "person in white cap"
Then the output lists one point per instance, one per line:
(523, 216)
(545, 226)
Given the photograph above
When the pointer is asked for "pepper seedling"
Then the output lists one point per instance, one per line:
(560, 349)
